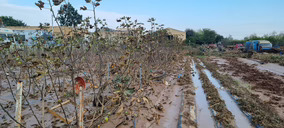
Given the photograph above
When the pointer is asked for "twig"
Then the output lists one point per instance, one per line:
(48, 71)
(32, 110)
(10, 87)
(51, 9)
(11, 116)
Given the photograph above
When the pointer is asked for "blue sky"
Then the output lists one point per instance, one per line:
(238, 18)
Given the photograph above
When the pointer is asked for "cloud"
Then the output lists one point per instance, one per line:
(33, 15)
(30, 15)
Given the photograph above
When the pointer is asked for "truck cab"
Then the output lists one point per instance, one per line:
(258, 45)
(264, 45)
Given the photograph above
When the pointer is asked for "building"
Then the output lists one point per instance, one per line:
(176, 33)
(56, 29)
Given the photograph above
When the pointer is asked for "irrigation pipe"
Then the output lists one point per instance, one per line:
(180, 113)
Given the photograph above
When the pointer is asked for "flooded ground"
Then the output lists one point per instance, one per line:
(204, 117)
(274, 68)
(260, 80)
(240, 118)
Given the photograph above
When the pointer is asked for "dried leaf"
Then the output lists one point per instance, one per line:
(120, 109)
(145, 100)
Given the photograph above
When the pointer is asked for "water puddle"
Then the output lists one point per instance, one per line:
(240, 118)
(204, 117)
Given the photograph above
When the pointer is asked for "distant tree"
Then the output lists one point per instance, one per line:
(202, 36)
(199, 37)
(219, 38)
(228, 40)
(189, 33)
(69, 16)
(209, 36)
(190, 36)
(10, 21)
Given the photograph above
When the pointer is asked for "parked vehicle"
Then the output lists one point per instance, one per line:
(212, 46)
(6, 35)
(258, 46)
(239, 46)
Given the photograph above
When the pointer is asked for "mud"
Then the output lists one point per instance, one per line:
(223, 115)
(260, 112)
(188, 114)
(204, 115)
(163, 106)
(264, 85)
(240, 118)
(270, 67)
(262, 80)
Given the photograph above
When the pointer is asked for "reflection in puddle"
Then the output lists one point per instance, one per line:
(204, 118)
(240, 118)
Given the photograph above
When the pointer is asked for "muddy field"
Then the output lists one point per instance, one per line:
(264, 84)
(220, 93)
(164, 102)
(260, 92)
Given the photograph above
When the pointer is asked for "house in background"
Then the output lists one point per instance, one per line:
(56, 29)
(29, 33)
(173, 33)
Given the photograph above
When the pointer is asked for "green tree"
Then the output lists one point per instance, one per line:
(10, 21)
(209, 36)
(69, 16)
(219, 38)
(190, 36)
(202, 36)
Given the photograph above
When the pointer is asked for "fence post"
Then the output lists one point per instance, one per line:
(81, 116)
(18, 113)
(0, 82)
(140, 76)
(108, 70)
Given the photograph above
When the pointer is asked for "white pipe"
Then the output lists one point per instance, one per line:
(81, 116)
(18, 113)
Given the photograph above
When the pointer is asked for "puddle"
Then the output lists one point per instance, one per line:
(204, 117)
(240, 118)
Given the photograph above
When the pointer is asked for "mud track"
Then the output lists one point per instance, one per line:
(263, 80)
(223, 115)
(261, 113)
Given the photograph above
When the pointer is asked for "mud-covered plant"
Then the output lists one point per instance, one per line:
(223, 115)
(49, 70)
(261, 113)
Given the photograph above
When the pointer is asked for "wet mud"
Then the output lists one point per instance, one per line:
(259, 112)
(204, 115)
(240, 118)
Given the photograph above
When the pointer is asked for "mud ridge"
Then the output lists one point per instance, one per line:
(263, 80)
(188, 117)
(223, 115)
(261, 114)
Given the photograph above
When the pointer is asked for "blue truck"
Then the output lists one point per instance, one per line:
(258, 46)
